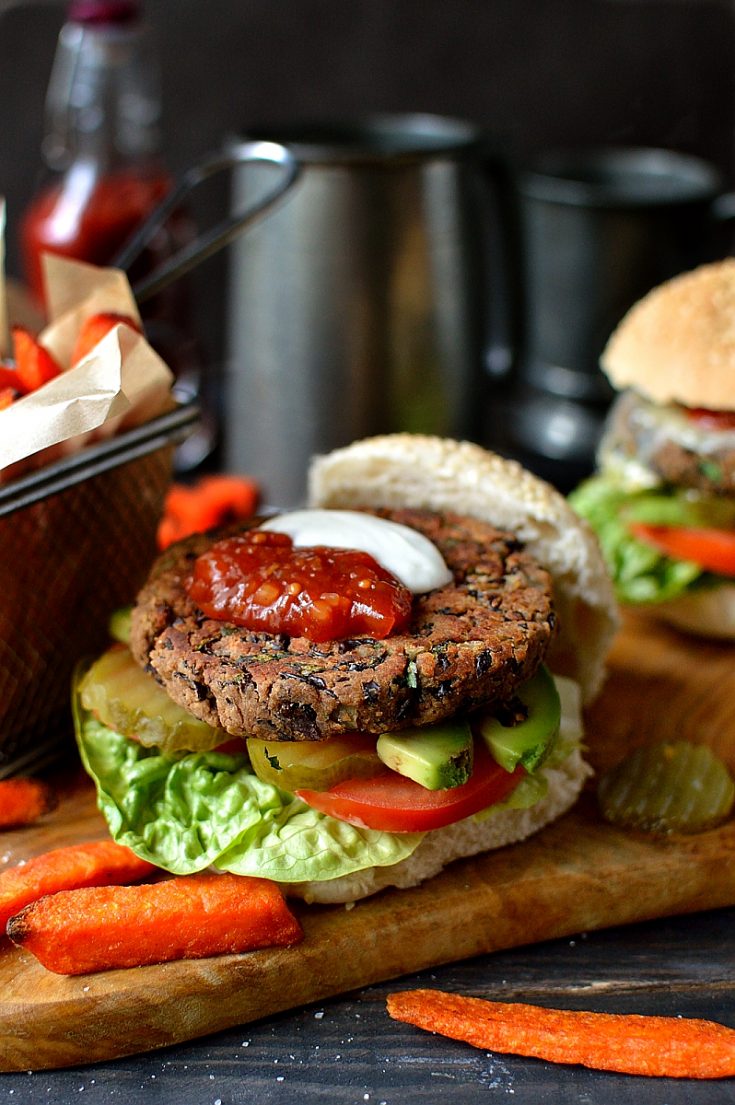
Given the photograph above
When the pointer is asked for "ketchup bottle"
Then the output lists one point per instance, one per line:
(105, 174)
(101, 145)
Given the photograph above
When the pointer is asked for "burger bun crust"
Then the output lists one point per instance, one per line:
(441, 474)
(703, 613)
(677, 344)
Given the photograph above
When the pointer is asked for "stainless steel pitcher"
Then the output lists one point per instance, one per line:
(357, 307)
(369, 298)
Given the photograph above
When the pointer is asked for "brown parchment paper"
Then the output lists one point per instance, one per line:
(72, 556)
(121, 383)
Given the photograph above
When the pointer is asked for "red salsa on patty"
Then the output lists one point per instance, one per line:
(260, 581)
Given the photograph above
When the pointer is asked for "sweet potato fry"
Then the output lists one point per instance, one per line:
(9, 378)
(98, 863)
(669, 1047)
(7, 397)
(211, 501)
(94, 329)
(33, 363)
(24, 800)
(79, 931)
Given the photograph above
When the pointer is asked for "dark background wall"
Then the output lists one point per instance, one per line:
(534, 73)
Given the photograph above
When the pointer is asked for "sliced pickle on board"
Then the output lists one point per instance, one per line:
(671, 787)
(127, 699)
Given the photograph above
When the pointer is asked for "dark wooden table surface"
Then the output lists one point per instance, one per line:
(348, 1051)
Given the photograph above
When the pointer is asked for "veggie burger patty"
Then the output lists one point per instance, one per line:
(473, 641)
(673, 446)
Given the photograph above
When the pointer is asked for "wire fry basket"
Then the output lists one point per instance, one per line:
(76, 541)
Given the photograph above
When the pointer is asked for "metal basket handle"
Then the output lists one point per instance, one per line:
(224, 232)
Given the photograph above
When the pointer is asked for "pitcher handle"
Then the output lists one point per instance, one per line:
(220, 235)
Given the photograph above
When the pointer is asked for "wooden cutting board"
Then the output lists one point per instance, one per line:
(579, 874)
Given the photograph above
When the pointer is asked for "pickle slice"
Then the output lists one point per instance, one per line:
(119, 624)
(314, 765)
(125, 698)
(671, 787)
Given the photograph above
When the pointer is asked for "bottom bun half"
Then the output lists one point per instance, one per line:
(703, 613)
(467, 838)
(564, 778)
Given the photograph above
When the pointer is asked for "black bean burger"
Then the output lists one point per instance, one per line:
(663, 498)
(352, 696)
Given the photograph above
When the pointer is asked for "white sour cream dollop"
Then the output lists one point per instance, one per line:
(408, 555)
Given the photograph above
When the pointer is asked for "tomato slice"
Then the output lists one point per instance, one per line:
(235, 747)
(395, 804)
(9, 378)
(713, 549)
(712, 420)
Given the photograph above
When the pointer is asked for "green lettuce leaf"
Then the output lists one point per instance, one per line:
(187, 811)
(208, 808)
(640, 573)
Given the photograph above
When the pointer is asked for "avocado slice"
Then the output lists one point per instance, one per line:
(687, 509)
(526, 740)
(437, 757)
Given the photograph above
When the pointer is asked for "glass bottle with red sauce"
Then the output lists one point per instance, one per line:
(105, 172)
(101, 144)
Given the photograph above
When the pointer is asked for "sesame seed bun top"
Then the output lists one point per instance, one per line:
(432, 473)
(677, 344)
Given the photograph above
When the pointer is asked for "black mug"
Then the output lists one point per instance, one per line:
(599, 227)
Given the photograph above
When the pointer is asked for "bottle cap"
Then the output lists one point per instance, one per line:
(104, 11)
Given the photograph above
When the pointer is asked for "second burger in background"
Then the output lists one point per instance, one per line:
(663, 498)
